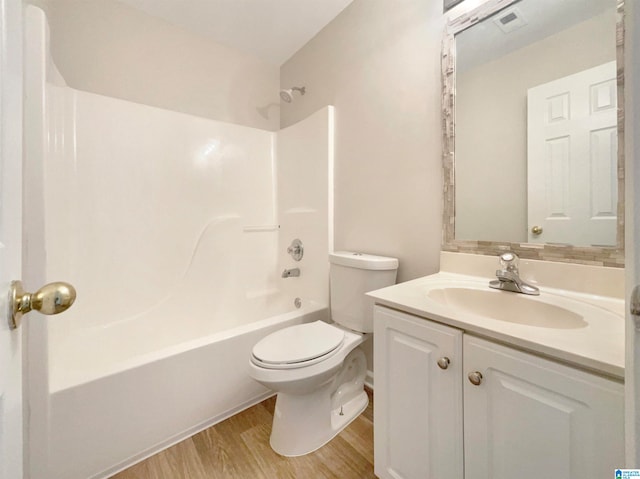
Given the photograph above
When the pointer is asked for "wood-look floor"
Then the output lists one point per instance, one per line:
(238, 448)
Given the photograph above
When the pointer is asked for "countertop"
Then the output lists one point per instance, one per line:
(597, 346)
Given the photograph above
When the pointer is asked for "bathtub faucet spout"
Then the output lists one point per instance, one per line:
(289, 273)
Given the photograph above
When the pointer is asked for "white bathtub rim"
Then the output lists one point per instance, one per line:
(60, 381)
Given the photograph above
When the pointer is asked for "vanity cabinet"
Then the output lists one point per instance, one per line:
(527, 417)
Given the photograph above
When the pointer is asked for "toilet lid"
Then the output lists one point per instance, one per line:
(299, 343)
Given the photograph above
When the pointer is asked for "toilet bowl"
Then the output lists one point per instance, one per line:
(317, 397)
(318, 369)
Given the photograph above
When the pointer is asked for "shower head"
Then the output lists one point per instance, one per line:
(287, 95)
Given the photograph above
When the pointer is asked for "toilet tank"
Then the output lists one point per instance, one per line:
(351, 276)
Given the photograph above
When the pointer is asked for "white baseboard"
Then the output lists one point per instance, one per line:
(368, 380)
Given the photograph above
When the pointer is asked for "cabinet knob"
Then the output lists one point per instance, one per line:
(443, 363)
(475, 378)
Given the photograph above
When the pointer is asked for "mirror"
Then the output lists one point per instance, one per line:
(532, 117)
(448, 4)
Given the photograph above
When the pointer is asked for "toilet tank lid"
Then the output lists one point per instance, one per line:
(362, 260)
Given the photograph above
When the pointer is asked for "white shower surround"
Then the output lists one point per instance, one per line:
(174, 231)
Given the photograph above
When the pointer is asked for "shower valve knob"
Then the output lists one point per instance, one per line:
(52, 298)
(296, 249)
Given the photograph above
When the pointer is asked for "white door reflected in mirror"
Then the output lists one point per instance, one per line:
(572, 142)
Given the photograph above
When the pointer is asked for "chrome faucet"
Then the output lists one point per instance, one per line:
(509, 277)
(291, 273)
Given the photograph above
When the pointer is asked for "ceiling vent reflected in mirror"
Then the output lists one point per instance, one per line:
(510, 20)
(450, 4)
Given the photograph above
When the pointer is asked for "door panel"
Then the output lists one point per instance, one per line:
(11, 439)
(632, 231)
(572, 158)
(418, 404)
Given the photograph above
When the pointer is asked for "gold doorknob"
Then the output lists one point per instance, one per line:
(52, 298)
(536, 230)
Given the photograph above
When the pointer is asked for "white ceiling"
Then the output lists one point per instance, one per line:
(270, 29)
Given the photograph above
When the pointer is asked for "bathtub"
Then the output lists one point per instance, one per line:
(121, 393)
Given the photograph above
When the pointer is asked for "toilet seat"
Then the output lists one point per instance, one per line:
(298, 346)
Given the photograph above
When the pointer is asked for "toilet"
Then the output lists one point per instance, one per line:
(317, 368)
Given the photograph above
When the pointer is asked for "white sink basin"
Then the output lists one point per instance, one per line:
(506, 306)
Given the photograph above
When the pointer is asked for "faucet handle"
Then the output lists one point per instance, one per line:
(509, 261)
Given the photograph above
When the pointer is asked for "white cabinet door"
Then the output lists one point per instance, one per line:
(531, 418)
(418, 404)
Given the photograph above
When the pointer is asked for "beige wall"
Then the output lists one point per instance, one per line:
(105, 47)
(491, 126)
(378, 63)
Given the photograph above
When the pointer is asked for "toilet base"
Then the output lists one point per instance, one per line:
(303, 423)
(299, 434)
